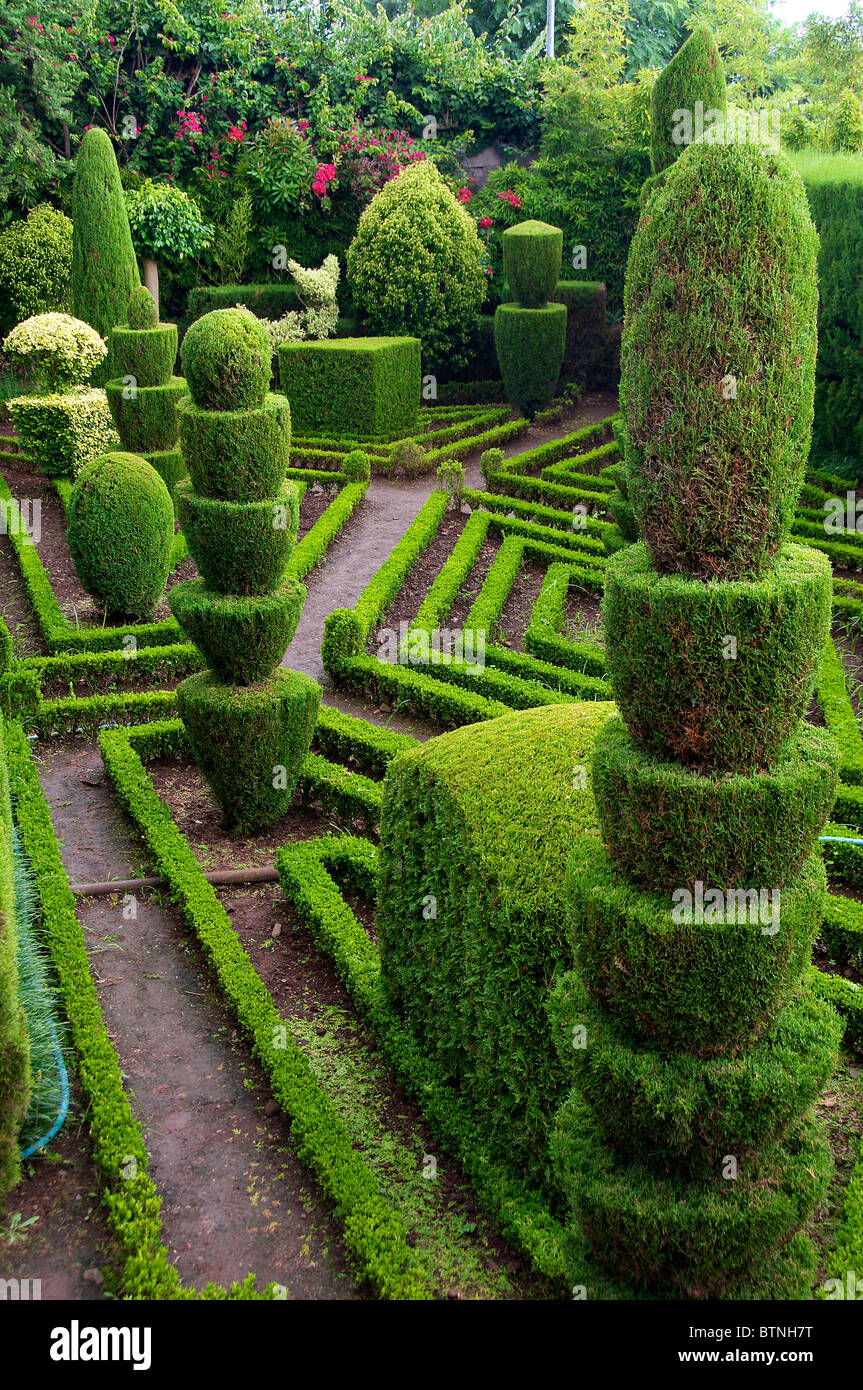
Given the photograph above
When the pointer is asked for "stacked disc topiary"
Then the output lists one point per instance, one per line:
(249, 722)
(688, 1150)
(530, 335)
(144, 397)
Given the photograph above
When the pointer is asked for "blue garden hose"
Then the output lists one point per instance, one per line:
(840, 840)
(64, 1103)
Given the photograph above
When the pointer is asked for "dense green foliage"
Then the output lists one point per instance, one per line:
(143, 309)
(35, 262)
(475, 830)
(165, 221)
(120, 529)
(414, 266)
(715, 674)
(237, 454)
(104, 268)
(63, 431)
(357, 388)
(727, 376)
(532, 254)
(226, 360)
(14, 1045)
(695, 74)
(530, 345)
(146, 416)
(239, 547)
(241, 639)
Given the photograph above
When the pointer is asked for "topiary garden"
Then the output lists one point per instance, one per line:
(431, 780)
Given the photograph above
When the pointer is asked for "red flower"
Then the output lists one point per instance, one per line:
(485, 222)
(464, 195)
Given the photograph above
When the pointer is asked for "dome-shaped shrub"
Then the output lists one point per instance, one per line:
(718, 360)
(227, 360)
(35, 260)
(414, 266)
(56, 350)
(143, 309)
(120, 528)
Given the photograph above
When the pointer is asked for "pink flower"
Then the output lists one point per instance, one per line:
(464, 195)
(485, 222)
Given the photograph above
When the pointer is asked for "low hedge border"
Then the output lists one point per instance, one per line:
(846, 997)
(831, 692)
(497, 585)
(133, 1202)
(550, 518)
(374, 1234)
(453, 573)
(311, 889)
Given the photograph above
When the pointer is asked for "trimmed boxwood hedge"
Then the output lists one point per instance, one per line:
(695, 73)
(532, 252)
(529, 345)
(237, 455)
(227, 360)
(14, 1043)
(477, 825)
(666, 642)
(362, 388)
(147, 354)
(242, 638)
(703, 987)
(266, 301)
(666, 827)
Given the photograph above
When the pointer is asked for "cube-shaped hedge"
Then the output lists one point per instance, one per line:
(359, 388)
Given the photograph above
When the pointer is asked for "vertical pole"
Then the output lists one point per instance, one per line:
(549, 28)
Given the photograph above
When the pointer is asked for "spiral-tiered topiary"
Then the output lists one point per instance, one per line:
(530, 335)
(144, 396)
(687, 1149)
(249, 724)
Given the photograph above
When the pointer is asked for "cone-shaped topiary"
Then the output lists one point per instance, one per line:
(530, 336)
(718, 360)
(104, 265)
(689, 90)
(120, 528)
(227, 360)
(249, 725)
(686, 1150)
(145, 395)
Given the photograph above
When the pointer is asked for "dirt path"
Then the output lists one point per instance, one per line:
(235, 1198)
(381, 521)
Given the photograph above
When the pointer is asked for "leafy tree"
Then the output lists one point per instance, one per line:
(165, 222)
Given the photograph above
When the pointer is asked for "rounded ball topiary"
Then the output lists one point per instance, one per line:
(227, 360)
(415, 267)
(718, 360)
(357, 466)
(120, 528)
(143, 309)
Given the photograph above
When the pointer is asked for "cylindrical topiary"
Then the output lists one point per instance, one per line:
(104, 264)
(685, 1150)
(718, 360)
(120, 528)
(532, 253)
(144, 398)
(240, 519)
(227, 360)
(688, 96)
(529, 345)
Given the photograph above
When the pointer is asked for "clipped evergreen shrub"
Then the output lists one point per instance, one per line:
(672, 1108)
(146, 416)
(415, 267)
(666, 827)
(14, 1044)
(243, 639)
(35, 262)
(694, 74)
(237, 454)
(357, 466)
(532, 253)
(226, 360)
(104, 265)
(239, 547)
(529, 345)
(476, 826)
(715, 674)
(717, 364)
(268, 301)
(700, 986)
(143, 310)
(250, 741)
(64, 430)
(358, 388)
(120, 528)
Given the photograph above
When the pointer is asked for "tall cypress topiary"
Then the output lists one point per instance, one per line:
(249, 722)
(104, 266)
(530, 335)
(694, 75)
(688, 1150)
(145, 393)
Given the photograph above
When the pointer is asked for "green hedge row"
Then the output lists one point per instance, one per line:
(550, 518)
(453, 573)
(832, 695)
(502, 574)
(14, 1039)
(373, 1232)
(306, 882)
